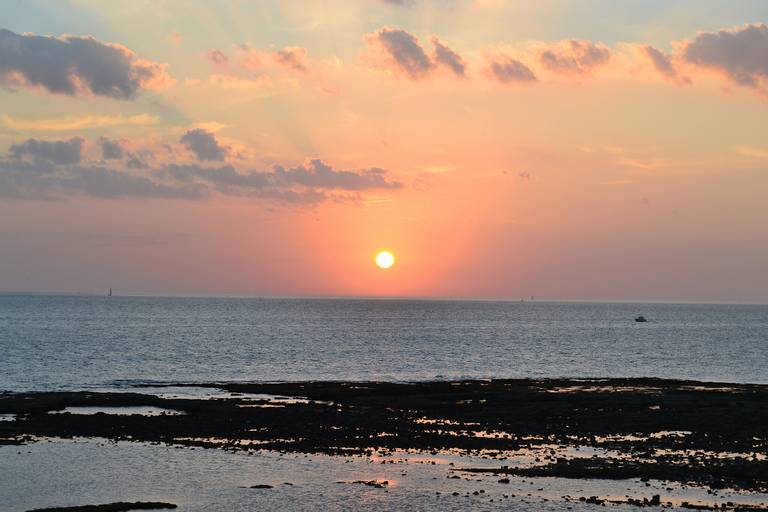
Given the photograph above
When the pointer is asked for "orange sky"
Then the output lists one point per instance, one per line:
(571, 150)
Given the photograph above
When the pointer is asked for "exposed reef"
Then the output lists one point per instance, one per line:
(689, 433)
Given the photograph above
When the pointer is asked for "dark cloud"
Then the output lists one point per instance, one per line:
(292, 57)
(740, 53)
(505, 69)
(104, 182)
(404, 50)
(39, 170)
(261, 185)
(663, 63)
(311, 174)
(76, 65)
(444, 56)
(315, 173)
(660, 60)
(574, 56)
(111, 149)
(25, 180)
(204, 145)
(226, 176)
(135, 161)
(407, 57)
(20, 181)
(56, 152)
(217, 57)
(309, 196)
(304, 184)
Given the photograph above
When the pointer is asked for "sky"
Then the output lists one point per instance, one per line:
(565, 149)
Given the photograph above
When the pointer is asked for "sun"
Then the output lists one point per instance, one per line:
(385, 259)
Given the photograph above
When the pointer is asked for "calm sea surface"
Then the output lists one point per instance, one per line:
(70, 342)
(73, 342)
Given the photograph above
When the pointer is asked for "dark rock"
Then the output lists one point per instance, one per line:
(568, 412)
(380, 484)
(111, 507)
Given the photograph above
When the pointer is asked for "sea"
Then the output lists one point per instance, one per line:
(70, 342)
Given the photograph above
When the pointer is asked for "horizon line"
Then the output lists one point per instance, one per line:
(382, 297)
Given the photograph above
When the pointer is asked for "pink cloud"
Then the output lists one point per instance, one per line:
(664, 63)
(740, 54)
(218, 58)
(403, 54)
(293, 57)
(506, 69)
(77, 65)
(444, 56)
(574, 57)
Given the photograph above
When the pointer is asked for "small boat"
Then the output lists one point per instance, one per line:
(640, 318)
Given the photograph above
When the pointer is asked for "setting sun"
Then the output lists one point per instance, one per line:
(385, 259)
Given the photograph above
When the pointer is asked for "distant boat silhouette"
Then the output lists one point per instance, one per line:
(640, 318)
(110, 293)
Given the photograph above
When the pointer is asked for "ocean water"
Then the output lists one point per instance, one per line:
(75, 342)
(78, 342)
(90, 471)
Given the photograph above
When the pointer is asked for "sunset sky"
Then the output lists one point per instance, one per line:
(500, 149)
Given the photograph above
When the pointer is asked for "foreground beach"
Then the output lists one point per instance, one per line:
(661, 434)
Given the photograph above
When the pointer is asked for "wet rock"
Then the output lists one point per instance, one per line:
(112, 507)
(379, 484)
(600, 413)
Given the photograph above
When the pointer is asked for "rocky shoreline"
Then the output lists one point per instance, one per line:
(681, 432)
(112, 507)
